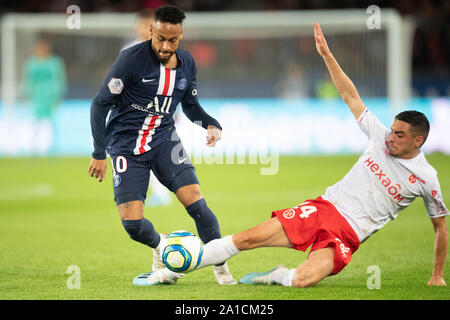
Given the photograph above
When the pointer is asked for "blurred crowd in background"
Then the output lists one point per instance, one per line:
(54, 66)
(431, 44)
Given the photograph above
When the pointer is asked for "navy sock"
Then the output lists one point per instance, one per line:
(205, 221)
(142, 231)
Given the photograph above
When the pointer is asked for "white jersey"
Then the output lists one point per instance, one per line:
(379, 185)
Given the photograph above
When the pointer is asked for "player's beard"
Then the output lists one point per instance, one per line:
(164, 58)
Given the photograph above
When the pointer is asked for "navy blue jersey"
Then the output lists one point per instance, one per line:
(142, 95)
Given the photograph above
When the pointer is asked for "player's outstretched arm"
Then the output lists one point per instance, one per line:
(343, 84)
(440, 251)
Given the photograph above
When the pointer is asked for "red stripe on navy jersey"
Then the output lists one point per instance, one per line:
(151, 126)
(166, 82)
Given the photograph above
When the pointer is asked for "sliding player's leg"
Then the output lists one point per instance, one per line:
(269, 233)
(315, 222)
(319, 265)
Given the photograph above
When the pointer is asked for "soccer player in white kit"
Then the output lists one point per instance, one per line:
(388, 176)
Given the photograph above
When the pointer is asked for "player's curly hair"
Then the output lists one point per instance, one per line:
(170, 14)
(418, 121)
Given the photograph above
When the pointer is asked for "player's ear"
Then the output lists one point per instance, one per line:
(418, 141)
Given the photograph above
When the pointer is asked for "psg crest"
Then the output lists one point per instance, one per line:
(116, 180)
(182, 84)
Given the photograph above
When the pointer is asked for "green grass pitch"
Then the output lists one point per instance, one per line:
(53, 215)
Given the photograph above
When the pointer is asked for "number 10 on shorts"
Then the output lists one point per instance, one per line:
(306, 210)
(121, 165)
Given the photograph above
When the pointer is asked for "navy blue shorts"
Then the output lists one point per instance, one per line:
(131, 174)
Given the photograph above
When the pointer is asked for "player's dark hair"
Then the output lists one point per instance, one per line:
(170, 14)
(418, 121)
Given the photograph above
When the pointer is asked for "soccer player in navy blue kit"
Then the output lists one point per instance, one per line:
(141, 91)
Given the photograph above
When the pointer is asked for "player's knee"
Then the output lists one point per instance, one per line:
(195, 194)
(133, 228)
(305, 279)
(130, 206)
(308, 277)
(133, 210)
(142, 231)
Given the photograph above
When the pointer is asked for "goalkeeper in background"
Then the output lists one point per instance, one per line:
(44, 84)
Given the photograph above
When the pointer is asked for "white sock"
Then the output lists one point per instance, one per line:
(162, 242)
(283, 277)
(218, 251)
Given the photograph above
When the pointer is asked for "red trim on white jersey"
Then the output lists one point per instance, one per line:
(146, 134)
(166, 81)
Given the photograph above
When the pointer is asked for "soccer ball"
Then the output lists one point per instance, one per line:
(183, 251)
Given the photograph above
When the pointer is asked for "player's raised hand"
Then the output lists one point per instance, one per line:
(214, 135)
(97, 169)
(321, 43)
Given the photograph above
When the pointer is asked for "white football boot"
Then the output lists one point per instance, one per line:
(158, 264)
(223, 275)
(161, 276)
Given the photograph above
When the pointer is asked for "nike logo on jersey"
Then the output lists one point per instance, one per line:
(148, 80)
(182, 160)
